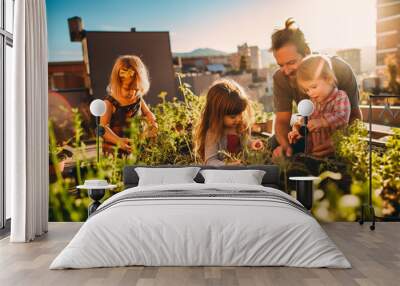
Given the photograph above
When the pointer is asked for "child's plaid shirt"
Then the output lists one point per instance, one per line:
(335, 109)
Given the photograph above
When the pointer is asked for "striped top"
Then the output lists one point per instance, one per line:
(335, 109)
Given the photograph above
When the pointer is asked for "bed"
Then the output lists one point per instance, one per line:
(201, 224)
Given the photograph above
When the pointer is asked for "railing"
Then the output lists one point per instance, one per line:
(369, 208)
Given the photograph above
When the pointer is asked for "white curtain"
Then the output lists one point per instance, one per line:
(26, 120)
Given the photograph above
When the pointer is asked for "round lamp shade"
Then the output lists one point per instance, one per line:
(305, 107)
(97, 107)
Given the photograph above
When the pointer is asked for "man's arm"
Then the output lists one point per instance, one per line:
(355, 113)
(282, 128)
(283, 98)
(347, 82)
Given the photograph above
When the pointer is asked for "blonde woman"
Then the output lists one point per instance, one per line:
(129, 82)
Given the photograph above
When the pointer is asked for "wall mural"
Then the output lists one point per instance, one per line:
(218, 108)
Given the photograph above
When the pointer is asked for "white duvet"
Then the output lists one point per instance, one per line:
(201, 231)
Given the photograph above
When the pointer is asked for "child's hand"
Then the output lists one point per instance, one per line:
(256, 145)
(152, 130)
(152, 123)
(123, 143)
(294, 136)
(315, 124)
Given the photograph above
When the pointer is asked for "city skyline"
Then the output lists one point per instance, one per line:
(192, 25)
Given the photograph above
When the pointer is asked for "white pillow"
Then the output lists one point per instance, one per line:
(166, 176)
(248, 177)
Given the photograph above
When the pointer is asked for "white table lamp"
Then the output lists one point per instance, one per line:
(305, 108)
(98, 108)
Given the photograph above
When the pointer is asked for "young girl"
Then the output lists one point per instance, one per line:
(225, 124)
(129, 81)
(331, 106)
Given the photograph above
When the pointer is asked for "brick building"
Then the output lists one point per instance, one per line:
(387, 32)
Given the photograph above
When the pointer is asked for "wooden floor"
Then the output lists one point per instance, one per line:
(375, 257)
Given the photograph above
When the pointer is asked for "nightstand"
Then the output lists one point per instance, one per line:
(304, 190)
(96, 193)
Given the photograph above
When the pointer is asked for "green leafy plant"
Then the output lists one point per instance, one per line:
(389, 186)
(352, 149)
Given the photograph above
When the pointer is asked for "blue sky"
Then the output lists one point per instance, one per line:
(218, 24)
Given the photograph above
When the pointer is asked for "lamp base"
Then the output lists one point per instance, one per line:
(96, 195)
(304, 193)
(367, 209)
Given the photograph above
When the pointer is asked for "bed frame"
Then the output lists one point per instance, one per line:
(270, 179)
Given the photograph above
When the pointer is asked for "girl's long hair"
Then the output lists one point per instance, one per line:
(141, 78)
(224, 97)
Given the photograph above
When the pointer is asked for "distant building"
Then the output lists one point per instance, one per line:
(223, 60)
(198, 64)
(177, 63)
(201, 63)
(68, 88)
(387, 32)
(244, 79)
(199, 83)
(261, 74)
(264, 75)
(200, 71)
(352, 57)
(255, 57)
(371, 84)
(216, 68)
(67, 75)
(244, 56)
(251, 54)
(255, 90)
(234, 61)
